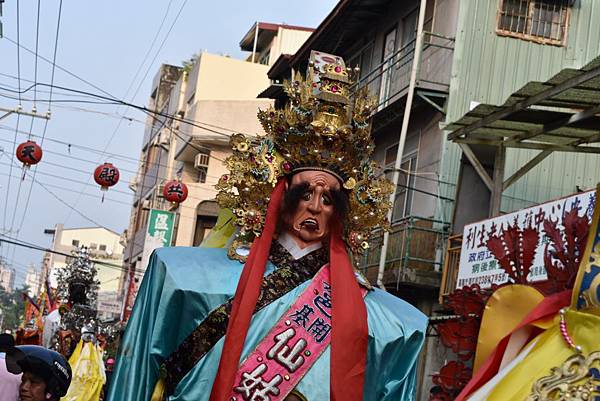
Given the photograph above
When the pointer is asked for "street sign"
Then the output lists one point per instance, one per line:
(159, 234)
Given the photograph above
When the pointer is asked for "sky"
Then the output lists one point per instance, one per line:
(116, 46)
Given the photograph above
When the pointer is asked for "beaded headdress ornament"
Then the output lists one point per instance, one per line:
(323, 127)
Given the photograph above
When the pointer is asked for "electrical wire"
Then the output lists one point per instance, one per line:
(52, 74)
(112, 190)
(108, 199)
(70, 168)
(73, 180)
(140, 85)
(18, 116)
(34, 109)
(124, 158)
(193, 123)
(65, 203)
(66, 71)
(9, 240)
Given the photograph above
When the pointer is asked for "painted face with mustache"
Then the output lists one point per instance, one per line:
(309, 223)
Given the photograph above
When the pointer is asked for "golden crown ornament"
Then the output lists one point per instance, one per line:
(323, 127)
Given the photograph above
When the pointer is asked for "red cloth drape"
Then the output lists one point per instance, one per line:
(244, 301)
(350, 330)
(349, 339)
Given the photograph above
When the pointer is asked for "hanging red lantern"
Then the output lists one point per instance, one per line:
(29, 153)
(106, 175)
(175, 191)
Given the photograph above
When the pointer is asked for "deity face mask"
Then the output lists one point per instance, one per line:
(314, 192)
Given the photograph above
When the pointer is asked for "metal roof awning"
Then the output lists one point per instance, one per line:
(557, 115)
(560, 114)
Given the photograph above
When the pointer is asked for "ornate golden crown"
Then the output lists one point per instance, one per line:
(322, 128)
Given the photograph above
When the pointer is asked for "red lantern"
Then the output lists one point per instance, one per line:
(29, 153)
(175, 191)
(106, 175)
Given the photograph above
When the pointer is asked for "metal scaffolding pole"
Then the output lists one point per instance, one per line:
(403, 133)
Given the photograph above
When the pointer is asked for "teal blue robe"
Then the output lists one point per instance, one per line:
(183, 285)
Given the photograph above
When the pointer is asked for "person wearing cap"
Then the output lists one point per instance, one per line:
(9, 383)
(295, 322)
(46, 375)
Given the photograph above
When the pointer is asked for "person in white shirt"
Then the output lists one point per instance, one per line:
(9, 383)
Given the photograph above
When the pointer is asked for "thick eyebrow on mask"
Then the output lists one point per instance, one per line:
(292, 197)
(295, 192)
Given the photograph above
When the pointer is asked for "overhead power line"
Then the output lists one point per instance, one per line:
(141, 82)
(9, 240)
(63, 202)
(28, 198)
(18, 115)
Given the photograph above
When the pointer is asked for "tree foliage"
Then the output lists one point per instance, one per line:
(13, 308)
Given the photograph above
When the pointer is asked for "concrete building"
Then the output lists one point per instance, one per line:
(204, 146)
(7, 278)
(33, 281)
(104, 246)
(266, 42)
(212, 97)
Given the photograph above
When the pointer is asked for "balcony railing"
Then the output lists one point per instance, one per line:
(389, 80)
(414, 253)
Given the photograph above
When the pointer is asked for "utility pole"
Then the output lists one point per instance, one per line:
(19, 110)
(1, 4)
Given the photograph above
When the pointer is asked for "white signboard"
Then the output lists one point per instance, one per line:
(108, 302)
(477, 263)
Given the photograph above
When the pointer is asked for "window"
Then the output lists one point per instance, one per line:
(191, 99)
(406, 181)
(264, 59)
(102, 247)
(543, 21)
(201, 175)
(389, 49)
(362, 59)
(204, 225)
(75, 242)
(429, 13)
(141, 218)
(93, 245)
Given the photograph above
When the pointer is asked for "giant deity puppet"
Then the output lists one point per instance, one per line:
(295, 322)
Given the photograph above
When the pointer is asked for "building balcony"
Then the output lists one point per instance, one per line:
(414, 254)
(389, 81)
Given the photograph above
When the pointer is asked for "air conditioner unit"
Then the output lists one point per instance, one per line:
(159, 191)
(146, 204)
(163, 139)
(133, 183)
(201, 161)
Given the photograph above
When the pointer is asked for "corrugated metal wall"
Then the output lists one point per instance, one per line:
(487, 68)
(290, 40)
